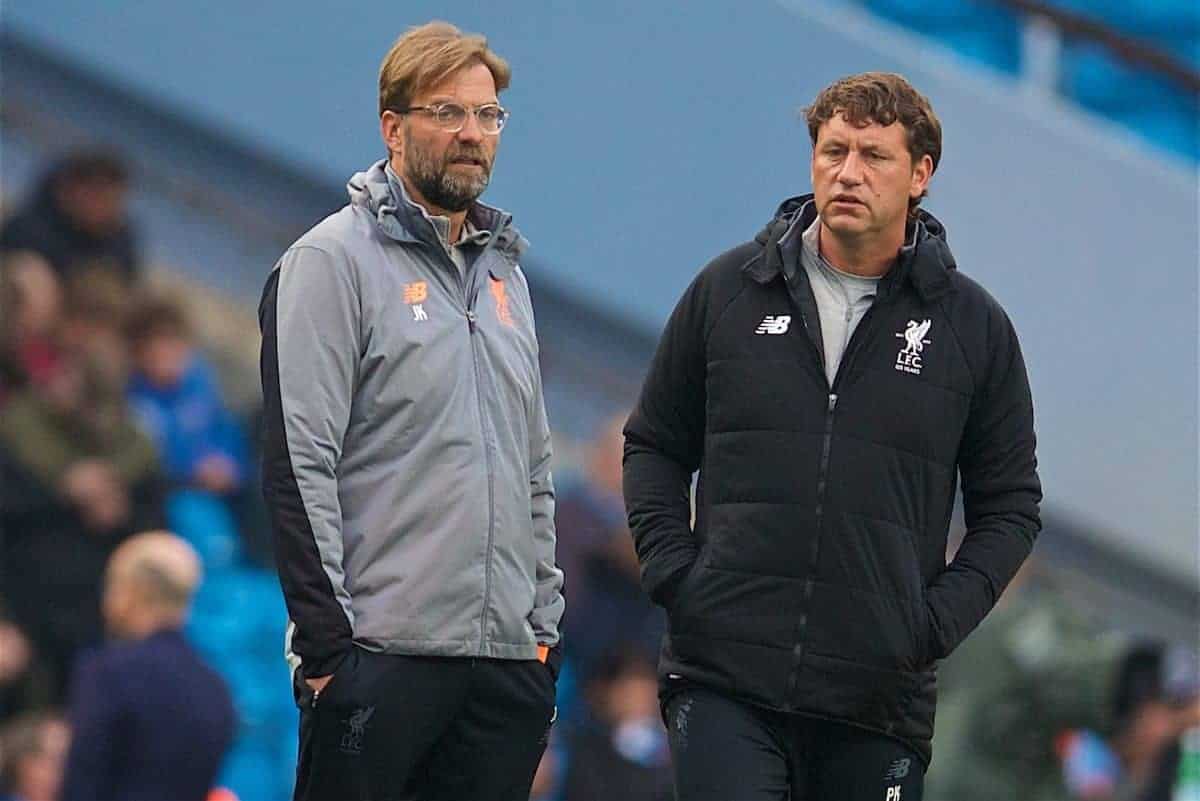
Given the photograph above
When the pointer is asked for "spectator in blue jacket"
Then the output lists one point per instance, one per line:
(175, 397)
(177, 400)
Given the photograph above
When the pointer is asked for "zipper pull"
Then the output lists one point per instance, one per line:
(472, 319)
(832, 402)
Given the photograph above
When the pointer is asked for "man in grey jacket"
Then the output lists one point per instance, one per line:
(407, 463)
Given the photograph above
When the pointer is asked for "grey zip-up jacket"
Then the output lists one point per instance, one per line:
(407, 452)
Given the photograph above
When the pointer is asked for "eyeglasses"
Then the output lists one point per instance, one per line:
(452, 117)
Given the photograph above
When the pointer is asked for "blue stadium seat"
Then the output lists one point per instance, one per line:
(1147, 19)
(986, 33)
(997, 47)
(1154, 107)
(238, 621)
(1171, 25)
(917, 12)
(1185, 47)
(207, 524)
(1174, 128)
(1097, 80)
(243, 773)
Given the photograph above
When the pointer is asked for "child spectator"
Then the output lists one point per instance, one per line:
(178, 404)
(177, 401)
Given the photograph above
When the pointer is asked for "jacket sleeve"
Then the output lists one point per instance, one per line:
(548, 598)
(96, 719)
(310, 322)
(664, 440)
(1001, 492)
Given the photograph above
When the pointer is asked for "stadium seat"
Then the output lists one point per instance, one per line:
(207, 524)
(1154, 107)
(985, 33)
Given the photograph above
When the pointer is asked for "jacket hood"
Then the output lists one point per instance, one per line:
(925, 258)
(403, 221)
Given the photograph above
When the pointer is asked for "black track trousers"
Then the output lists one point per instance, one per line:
(394, 728)
(725, 750)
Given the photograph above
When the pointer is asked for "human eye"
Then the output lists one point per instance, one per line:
(450, 114)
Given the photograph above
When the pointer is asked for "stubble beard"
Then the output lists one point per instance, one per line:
(441, 186)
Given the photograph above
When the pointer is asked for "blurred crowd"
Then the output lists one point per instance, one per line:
(112, 422)
(115, 419)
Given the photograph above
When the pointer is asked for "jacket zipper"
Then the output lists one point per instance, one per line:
(472, 327)
(820, 357)
(815, 551)
(861, 332)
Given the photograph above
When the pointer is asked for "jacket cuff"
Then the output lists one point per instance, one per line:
(664, 594)
(325, 666)
(553, 657)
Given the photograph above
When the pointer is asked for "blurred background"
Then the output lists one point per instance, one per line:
(157, 158)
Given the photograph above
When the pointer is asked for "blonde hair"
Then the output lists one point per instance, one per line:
(426, 55)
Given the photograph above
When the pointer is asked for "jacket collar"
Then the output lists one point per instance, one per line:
(925, 260)
(402, 220)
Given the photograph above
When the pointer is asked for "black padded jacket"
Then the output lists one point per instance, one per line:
(814, 579)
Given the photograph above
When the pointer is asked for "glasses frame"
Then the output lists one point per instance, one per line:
(436, 108)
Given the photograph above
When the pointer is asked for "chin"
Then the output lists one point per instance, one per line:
(845, 225)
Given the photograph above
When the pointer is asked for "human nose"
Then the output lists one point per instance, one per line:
(850, 172)
(471, 131)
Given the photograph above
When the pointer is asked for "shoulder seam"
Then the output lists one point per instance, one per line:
(720, 315)
(962, 348)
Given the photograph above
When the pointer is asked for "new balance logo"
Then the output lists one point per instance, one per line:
(898, 770)
(415, 295)
(774, 324)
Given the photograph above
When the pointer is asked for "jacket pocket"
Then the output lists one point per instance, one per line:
(922, 635)
(675, 603)
(870, 571)
(338, 685)
(870, 629)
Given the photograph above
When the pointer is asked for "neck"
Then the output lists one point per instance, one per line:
(457, 218)
(140, 626)
(869, 257)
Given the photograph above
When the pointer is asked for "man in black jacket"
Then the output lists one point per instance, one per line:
(830, 380)
(78, 218)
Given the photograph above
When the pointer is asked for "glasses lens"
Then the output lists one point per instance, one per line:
(492, 119)
(451, 116)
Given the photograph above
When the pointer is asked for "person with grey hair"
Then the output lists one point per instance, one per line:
(150, 719)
